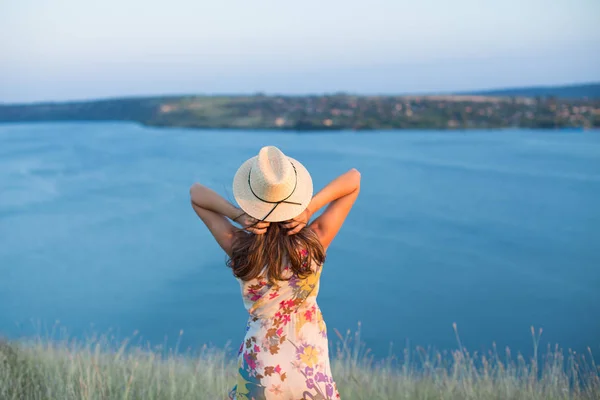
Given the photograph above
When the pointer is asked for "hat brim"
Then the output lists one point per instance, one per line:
(259, 209)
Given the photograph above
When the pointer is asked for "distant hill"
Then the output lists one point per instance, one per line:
(589, 90)
(326, 112)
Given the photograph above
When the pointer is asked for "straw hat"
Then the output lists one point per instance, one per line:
(272, 187)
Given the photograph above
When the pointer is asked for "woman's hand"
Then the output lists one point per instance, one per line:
(295, 225)
(252, 225)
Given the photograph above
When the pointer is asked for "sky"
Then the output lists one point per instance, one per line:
(81, 49)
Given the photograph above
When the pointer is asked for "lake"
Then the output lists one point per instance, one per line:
(494, 230)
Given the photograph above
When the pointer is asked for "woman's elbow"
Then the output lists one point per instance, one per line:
(194, 188)
(356, 177)
(195, 192)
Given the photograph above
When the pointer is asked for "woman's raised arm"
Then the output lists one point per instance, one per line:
(216, 212)
(340, 195)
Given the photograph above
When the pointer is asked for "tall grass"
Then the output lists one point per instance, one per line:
(100, 369)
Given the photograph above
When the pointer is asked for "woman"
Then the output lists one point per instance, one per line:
(277, 257)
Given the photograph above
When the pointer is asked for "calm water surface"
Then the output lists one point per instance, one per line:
(496, 231)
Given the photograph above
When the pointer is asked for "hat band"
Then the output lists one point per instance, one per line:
(277, 203)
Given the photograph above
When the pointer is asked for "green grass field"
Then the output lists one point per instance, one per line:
(100, 369)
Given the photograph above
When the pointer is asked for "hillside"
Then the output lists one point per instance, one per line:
(589, 90)
(324, 112)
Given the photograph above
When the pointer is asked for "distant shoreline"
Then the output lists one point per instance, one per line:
(314, 131)
(326, 113)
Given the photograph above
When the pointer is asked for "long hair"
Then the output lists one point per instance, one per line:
(251, 253)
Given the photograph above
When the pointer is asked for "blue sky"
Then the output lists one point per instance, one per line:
(78, 49)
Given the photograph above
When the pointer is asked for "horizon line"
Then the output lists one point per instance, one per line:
(475, 92)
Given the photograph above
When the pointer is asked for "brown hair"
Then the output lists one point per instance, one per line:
(251, 253)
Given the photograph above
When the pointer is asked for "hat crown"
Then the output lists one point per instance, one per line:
(272, 176)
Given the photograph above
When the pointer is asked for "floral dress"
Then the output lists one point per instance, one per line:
(285, 351)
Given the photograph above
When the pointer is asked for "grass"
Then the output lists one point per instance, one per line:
(101, 369)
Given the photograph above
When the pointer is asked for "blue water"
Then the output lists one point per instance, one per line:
(493, 230)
